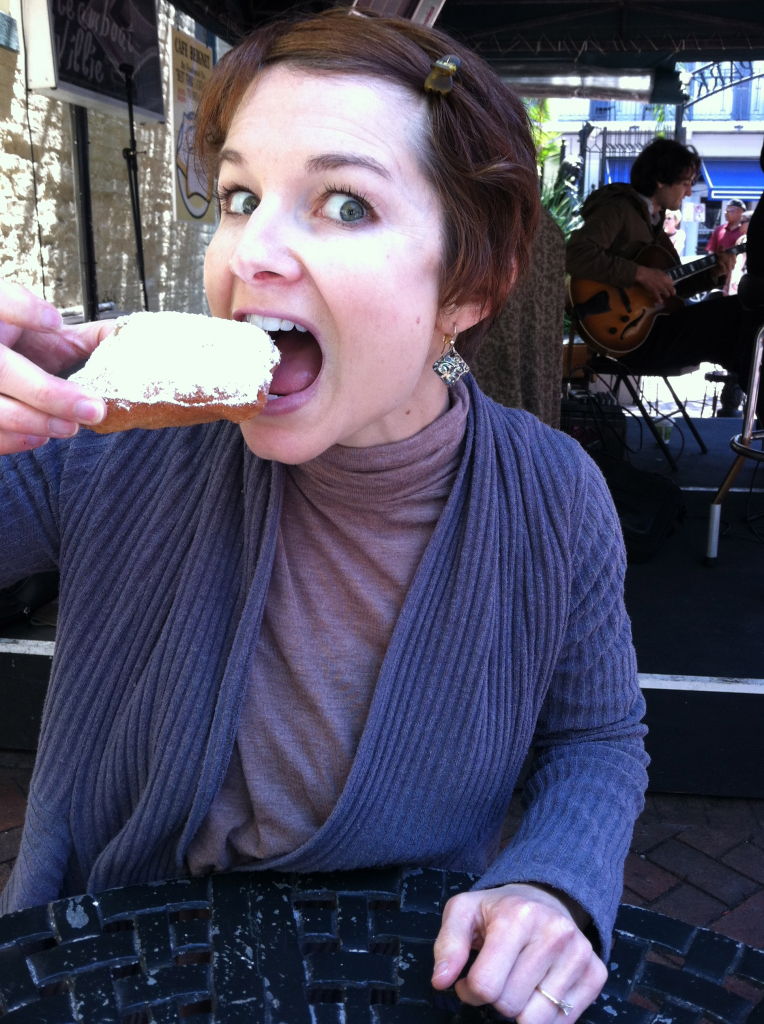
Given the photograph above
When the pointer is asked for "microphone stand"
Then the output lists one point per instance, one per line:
(130, 153)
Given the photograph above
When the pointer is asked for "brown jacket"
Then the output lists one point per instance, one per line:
(616, 229)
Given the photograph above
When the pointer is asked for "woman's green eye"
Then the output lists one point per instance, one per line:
(345, 208)
(243, 202)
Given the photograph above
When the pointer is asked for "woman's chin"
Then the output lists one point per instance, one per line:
(288, 451)
(278, 438)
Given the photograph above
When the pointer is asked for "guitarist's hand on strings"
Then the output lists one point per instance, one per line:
(656, 283)
(725, 263)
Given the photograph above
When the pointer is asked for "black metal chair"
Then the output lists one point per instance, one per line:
(265, 948)
(608, 366)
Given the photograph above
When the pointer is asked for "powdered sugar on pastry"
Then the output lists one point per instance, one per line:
(176, 357)
(175, 369)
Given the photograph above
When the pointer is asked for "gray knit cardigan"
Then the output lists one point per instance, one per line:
(512, 637)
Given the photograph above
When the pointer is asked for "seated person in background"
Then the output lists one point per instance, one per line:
(678, 236)
(619, 244)
(726, 236)
(740, 265)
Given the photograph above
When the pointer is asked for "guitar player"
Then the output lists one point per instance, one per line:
(622, 244)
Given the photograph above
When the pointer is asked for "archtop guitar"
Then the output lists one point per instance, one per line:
(618, 320)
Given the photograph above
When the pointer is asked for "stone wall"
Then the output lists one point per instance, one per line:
(39, 242)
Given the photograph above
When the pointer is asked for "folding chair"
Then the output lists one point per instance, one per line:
(609, 366)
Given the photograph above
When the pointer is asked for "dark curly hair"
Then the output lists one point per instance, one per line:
(663, 162)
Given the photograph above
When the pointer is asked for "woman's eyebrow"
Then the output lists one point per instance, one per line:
(318, 164)
(230, 156)
(334, 161)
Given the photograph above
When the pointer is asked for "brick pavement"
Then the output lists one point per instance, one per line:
(701, 859)
(698, 859)
(15, 770)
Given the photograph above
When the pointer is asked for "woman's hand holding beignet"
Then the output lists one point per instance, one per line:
(35, 405)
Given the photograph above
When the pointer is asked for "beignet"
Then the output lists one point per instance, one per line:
(178, 369)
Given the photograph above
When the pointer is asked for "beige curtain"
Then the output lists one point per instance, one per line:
(520, 361)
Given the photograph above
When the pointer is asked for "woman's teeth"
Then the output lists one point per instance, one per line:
(273, 323)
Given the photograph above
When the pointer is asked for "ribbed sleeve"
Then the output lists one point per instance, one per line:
(585, 784)
(156, 562)
(29, 516)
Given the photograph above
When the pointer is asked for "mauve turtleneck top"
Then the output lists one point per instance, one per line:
(332, 604)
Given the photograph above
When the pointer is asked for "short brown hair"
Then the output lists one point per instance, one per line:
(479, 157)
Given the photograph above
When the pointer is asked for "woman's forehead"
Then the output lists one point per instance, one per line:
(289, 102)
(340, 92)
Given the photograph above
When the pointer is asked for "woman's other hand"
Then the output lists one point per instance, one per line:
(34, 345)
(527, 941)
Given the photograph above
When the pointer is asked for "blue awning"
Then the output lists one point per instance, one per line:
(733, 179)
(618, 168)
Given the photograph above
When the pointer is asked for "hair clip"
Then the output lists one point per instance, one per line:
(441, 76)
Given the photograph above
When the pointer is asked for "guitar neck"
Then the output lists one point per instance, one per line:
(685, 270)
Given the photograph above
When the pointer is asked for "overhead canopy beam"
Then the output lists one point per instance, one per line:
(599, 32)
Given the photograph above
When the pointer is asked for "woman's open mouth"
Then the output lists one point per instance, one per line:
(301, 356)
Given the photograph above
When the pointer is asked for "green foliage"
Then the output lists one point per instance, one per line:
(560, 199)
(547, 143)
(557, 179)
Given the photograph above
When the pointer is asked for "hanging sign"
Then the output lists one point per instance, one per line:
(78, 51)
(191, 67)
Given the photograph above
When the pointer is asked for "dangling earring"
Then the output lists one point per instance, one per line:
(450, 366)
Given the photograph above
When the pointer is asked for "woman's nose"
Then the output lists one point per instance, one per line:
(265, 246)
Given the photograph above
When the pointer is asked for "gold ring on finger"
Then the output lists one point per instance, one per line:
(561, 1004)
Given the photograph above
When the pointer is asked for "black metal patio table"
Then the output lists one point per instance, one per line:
(344, 948)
